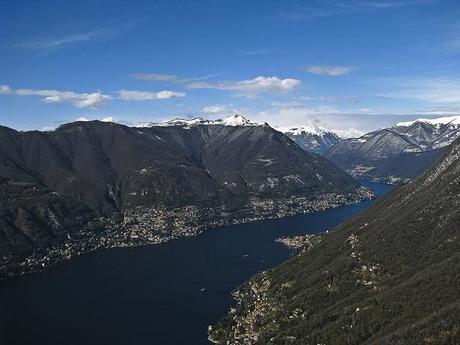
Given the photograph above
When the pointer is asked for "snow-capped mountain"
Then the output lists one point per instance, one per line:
(233, 120)
(416, 143)
(312, 138)
(430, 134)
(449, 120)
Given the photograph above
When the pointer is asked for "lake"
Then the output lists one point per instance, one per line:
(165, 294)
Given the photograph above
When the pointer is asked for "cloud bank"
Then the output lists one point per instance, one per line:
(248, 87)
(79, 100)
(257, 85)
(89, 100)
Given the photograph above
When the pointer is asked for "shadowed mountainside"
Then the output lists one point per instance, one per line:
(88, 185)
(313, 139)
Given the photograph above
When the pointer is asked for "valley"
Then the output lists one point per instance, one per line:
(394, 154)
(368, 280)
(96, 185)
(399, 153)
(143, 294)
(230, 172)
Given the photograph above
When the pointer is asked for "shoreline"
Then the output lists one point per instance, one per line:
(145, 226)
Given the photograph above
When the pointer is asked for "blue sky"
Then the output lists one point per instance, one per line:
(344, 64)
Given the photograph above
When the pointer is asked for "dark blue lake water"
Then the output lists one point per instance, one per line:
(154, 294)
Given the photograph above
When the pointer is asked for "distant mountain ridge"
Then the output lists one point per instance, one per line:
(430, 134)
(232, 120)
(448, 120)
(376, 154)
(312, 138)
(96, 184)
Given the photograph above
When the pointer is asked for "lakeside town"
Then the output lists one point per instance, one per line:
(150, 226)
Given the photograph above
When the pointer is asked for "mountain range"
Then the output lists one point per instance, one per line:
(89, 185)
(233, 120)
(312, 138)
(396, 154)
(390, 275)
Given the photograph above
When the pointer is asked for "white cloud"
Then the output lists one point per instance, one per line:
(133, 95)
(52, 43)
(248, 87)
(5, 90)
(88, 100)
(222, 109)
(330, 71)
(80, 100)
(257, 85)
(169, 94)
(92, 100)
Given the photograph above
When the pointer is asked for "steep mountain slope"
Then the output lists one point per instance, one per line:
(377, 154)
(93, 184)
(388, 276)
(405, 166)
(312, 139)
(431, 133)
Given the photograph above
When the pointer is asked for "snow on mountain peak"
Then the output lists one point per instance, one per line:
(454, 120)
(233, 120)
(309, 128)
(183, 122)
(236, 120)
